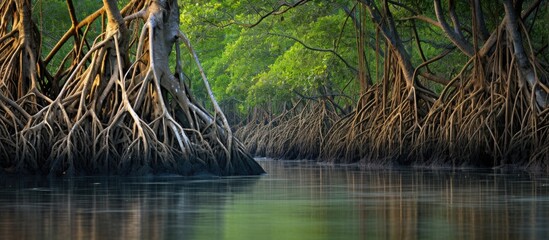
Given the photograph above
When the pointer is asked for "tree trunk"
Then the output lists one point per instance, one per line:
(390, 33)
(525, 67)
(454, 35)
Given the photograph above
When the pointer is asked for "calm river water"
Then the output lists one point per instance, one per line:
(296, 200)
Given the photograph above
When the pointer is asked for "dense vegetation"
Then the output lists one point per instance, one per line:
(451, 83)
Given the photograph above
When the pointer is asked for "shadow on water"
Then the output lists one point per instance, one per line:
(296, 200)
(113, 207)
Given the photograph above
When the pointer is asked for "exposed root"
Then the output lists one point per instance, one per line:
(491, 118)
(382, 127)
(113, 116)
(294, 134)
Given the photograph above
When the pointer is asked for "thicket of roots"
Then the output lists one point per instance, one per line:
(118, 113)
(20, 75)
(491, 119)
(294, 134)
(383, 126)
(487, 116)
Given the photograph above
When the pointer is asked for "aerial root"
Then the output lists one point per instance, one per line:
(294, 134)
(111, 115)
(491, 121)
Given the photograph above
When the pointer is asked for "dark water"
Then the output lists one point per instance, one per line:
(295, 201)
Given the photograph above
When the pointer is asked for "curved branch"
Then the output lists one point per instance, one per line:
(276, 11)
(89, 19)
(86, 21)
(353, 69)
(459, 41)
(428, 74)
(408, 8)
(424, 19)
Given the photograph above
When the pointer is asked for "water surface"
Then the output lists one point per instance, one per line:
(296, 200)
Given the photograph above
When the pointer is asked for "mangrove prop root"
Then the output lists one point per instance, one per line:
(493, 120)
(114, 115)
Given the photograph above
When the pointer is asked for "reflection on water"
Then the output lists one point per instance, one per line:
(296, 200)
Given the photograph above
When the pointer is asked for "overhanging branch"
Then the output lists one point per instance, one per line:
(282, 8)
(353, 69)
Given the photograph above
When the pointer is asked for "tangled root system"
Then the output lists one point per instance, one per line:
(120, 108)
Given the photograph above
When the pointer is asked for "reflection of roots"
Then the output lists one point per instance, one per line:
(115, 117)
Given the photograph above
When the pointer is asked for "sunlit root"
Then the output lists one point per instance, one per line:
(115, 116)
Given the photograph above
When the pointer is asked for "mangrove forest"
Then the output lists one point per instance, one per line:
(192, 87)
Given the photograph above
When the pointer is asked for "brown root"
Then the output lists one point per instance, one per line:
(492, 118)
(294, 134)
(113, 116)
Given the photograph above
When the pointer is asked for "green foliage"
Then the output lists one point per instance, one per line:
(263, 64)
